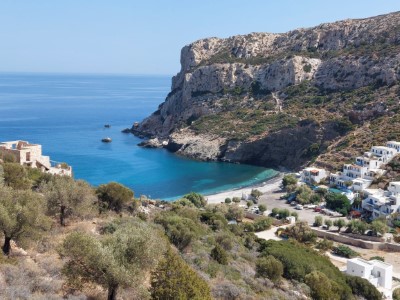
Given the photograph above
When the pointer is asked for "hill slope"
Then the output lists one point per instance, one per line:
(321, 93)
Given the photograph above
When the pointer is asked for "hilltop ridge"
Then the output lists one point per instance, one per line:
(283, 99)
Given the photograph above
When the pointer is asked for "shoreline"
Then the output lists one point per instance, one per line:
(270, 185)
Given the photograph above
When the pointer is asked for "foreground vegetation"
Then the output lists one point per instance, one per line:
(63, 239)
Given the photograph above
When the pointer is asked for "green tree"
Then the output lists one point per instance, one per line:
(113, 196)
(16, 176)
(289, 180)
(21, 216)
(324, 245)
(328, 223)
(269, 267)
(338, 202)
(317, 221)
(262, 208)
(339, 223)
(236, 199)
(304, 194)
(322, 288)
(256, 194)
(113, 260)
(302, 233)
(235, 213)
(66, 197)
(197, 199)
(175, 279)
(379, 227)
(228, 200)
(219, 254)
(249, 204)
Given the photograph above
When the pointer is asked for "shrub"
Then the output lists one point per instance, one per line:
(338, 202)
(396, 294)
(321, 286)
(228, 200)
(175, 279)
(269, 267)
(324, 245)
(16, 176)
(328, 223)
(197, 199)
(262, 208)
(377, 258)
(317, 221)
(345, 251)
(363, 288)
(302, 233)
(236, 199)
(307, 68)
(262, 223)
(219, 254)
(289, 180)
(113, 196)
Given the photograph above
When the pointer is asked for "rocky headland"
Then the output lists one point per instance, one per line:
(318, 94)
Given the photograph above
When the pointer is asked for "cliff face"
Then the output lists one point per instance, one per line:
(279, 99)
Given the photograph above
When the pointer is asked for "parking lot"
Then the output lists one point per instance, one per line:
(272, 200)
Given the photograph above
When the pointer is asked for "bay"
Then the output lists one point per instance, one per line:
(66, 114)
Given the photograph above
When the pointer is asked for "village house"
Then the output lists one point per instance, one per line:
(30, 155)
(378, 273)
(380, 203)
(313, 175)
(359, 176)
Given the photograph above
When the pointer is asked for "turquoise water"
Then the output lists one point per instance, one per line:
(67, 113)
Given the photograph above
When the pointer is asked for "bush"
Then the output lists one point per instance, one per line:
(345, 251)
(262, 208)
(269, 267)
(197, 199)
(324, 245)
(322, 288)
(262, 223)
(236, 199)
(328, 223)
(113, 196)
(175, 279)
(377, 258)
(228, 200)
(318, 221)
(289, 180)
(363, 288)
(219, 254)
(302, 233)
(338, 202)
(16, 176)
(299, 260)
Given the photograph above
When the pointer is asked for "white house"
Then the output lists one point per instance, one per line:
(385, 153)
(30, 155)
(382, 203)
(376, 272)
(313, 175)
(394, 145)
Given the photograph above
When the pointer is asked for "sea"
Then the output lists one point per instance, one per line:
(66, 114)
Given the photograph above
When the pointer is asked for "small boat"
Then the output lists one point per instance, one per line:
(106, 140)
(107, 126)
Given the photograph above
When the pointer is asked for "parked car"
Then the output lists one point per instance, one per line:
(317, 209)
(299, 207)
(310, 206)
(293, 203)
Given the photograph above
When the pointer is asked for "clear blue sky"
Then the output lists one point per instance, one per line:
(145, 37)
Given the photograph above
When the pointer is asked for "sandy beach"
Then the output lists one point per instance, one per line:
(267, 187)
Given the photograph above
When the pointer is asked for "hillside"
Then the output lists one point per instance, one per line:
(282, 100)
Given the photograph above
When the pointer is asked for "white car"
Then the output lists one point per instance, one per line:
(310, 206)
(299, 207)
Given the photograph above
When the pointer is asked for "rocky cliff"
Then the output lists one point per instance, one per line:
(283, 99)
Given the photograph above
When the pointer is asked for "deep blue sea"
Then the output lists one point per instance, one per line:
(67, 114)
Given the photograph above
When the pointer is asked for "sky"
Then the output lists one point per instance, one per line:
(145, 37)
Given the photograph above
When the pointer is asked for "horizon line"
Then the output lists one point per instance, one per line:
(84, 73)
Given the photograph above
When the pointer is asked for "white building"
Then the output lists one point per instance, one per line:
(394, 145)
(376, 272)
(382, 203)
(30, 155)
(385, 153)
(313, 175)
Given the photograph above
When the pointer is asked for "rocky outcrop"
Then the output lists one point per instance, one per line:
(334, 57)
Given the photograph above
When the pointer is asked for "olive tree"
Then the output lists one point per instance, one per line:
(16, 176)
(66, 197)
(21, 215)
(114, 260)
(113, 196)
